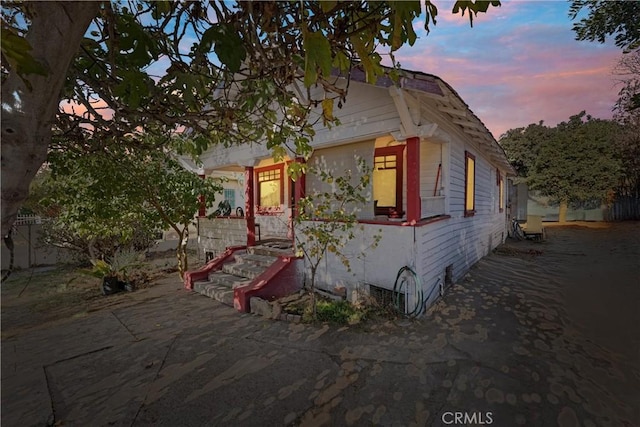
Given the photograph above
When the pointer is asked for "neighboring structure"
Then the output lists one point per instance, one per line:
(437, 195)
(29, 251)
(529, 202)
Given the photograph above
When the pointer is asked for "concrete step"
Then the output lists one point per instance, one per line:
(228, 280)
(244, 270)
(220, 286)
(219, 293)
(269, 251)
(256, 259)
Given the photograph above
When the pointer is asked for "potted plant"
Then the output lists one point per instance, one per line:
(113, 271)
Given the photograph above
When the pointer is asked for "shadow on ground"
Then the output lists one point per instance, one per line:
(528, 338)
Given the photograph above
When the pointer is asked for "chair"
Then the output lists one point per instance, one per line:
(533, 229)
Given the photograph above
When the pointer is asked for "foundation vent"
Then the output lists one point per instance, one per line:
(388, 298)
(448, 275)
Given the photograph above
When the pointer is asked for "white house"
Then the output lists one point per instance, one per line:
(437, 193)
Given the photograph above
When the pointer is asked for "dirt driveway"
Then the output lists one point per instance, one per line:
(536, 335)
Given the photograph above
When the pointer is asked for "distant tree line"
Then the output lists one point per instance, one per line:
(587, 160)
(581, 160)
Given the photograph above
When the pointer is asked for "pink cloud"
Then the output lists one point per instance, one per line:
(513, 73)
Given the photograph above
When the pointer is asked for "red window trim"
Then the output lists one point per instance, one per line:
(265, 169)
(467, 156)
(398, 150)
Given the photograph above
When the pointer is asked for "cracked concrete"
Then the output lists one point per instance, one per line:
(509, 340)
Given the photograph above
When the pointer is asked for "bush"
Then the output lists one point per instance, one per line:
(341, 312)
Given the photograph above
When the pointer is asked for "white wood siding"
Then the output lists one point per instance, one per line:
(368, 112)
(461, 241)
(369, 266)
(430, 155)
(337, 160)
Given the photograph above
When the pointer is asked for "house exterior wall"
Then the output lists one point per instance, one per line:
(368, 265)
(461, 241)
(367, 113)
(337, 160)
(444, 238)
(215, 235)
(427, 249)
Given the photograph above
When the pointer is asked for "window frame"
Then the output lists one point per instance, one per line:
(500, 182)
(398, 151)
(279, 167)
(232, 192)
(469, 212)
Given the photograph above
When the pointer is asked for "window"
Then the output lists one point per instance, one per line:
(469, 184)
(270, 186)
(230, 196)
(387, 180)
(500, 191)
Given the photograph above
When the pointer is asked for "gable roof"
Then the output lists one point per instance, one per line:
(448, 103)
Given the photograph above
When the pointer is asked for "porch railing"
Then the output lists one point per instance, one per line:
(27, 219)
(432, 206)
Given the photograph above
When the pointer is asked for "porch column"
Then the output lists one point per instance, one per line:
(249, 206)
(413, 179)
(202, 210)
(299, 187)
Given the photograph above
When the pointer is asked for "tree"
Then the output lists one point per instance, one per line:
(117, 193)
(327, 220)
(627, 74)
(70, 224)
(574, 162)
(608, 18)
(230, 72)
(522, 146)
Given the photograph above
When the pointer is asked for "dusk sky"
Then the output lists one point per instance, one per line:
(519, 64)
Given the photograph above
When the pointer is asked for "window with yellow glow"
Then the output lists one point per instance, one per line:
(387, 180)
(469, 184)
(270, 186)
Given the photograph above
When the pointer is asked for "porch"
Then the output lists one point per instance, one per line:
(217, 234)
(266, 270)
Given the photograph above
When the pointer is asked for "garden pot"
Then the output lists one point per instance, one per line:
(111, 285)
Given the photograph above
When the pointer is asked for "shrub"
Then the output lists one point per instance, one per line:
(340, 312)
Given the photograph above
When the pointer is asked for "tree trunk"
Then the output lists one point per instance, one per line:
(312, 295)
(183, 261)
(55, 34)
(562, 214)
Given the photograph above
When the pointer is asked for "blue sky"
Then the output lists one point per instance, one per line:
(519, 64)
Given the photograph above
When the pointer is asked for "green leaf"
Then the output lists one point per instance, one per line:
(341, 61)
(160, 9)
(369, 59)
(473, 7)
(227, 44)
(403, 16)
(318, 56)
(327, 110)
(133, 88)
(16, 50)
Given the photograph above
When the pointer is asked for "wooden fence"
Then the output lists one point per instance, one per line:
(624, 208)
